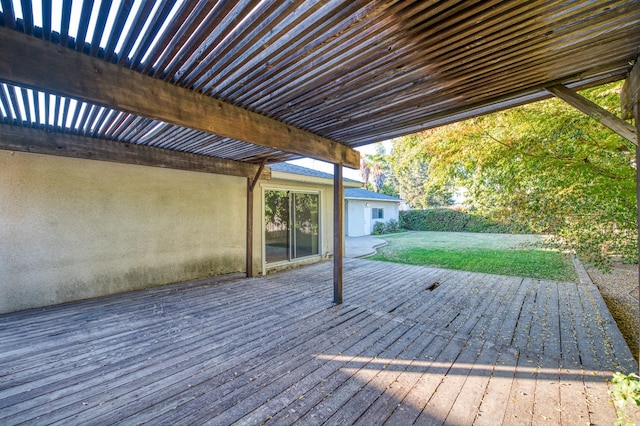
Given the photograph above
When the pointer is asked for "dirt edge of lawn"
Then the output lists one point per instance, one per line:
(619, 289)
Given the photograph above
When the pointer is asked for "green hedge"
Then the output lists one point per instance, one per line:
(451, 220)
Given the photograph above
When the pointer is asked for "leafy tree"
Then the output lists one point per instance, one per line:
(379, 177)
(550, 167)
(277, 208)
(411, 171)
(378, 168)
(365, 172)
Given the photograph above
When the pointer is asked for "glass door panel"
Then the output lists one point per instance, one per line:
(305, 225)
(276, 214)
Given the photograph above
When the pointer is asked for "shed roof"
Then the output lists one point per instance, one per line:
(304, 171)
(268, 81)
(363, 194)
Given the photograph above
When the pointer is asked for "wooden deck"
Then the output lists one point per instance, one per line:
(409, 345)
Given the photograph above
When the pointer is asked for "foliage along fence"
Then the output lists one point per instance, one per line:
(453, 220)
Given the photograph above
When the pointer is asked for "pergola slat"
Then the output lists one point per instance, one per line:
(83, 24)
(8, 14)
(46, 19)
(206, 20)
(175, 27)
(138, 23)
(103, 14)
(27, 16)
(156, 23)
(225, 21)
(65, 19)
(116, 30)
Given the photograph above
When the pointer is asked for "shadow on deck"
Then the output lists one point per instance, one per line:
(409, 345)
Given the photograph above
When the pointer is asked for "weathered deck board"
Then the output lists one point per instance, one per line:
(475, 348)
(500, 327)
(575, 409)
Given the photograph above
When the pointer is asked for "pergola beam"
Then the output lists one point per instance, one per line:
(608, 119)
(39, 141)
(35, 63)
(630, 93)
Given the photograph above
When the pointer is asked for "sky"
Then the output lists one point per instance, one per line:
(348, 173)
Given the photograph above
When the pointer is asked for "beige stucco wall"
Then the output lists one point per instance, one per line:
(73, 229)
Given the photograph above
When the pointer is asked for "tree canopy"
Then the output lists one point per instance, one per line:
(376, 172)
(410, 162)
(545, 165)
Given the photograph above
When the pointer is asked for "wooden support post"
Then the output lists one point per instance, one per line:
(251, 184)
(630, 105)
(338, 232)
(249, 260)
(630, 92)
(636, 111)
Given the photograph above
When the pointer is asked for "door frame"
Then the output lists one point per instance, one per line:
(291, 189)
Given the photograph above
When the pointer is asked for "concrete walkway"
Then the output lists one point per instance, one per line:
(355, 247)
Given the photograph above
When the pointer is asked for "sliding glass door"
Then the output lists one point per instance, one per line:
(291, 225)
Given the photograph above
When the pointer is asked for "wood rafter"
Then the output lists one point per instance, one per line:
(24, 139)
(35, 63)
(630, 93)
(608, 119)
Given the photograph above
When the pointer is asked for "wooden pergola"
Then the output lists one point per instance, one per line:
(231, 87)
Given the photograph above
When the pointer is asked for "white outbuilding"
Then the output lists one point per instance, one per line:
(364, 208)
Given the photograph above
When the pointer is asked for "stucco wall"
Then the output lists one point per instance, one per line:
(73, 229)
(355, 220)
(359, 221)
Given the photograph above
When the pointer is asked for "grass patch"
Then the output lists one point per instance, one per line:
(486, 253)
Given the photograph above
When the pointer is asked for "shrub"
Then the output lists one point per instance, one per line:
(625, 388)
(452, 220)
(378, 228)
(392, 226)
(389, 227)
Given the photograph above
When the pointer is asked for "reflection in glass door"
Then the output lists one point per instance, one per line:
(276, 216)
(305, 225)
(291, 225)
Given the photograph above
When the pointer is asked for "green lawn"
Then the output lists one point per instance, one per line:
(503, 254)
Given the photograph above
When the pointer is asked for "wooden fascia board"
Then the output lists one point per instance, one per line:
(294, 177)
(373, 199)
(31, 62)
(39, 141)
(607, 119)
(630, 93)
